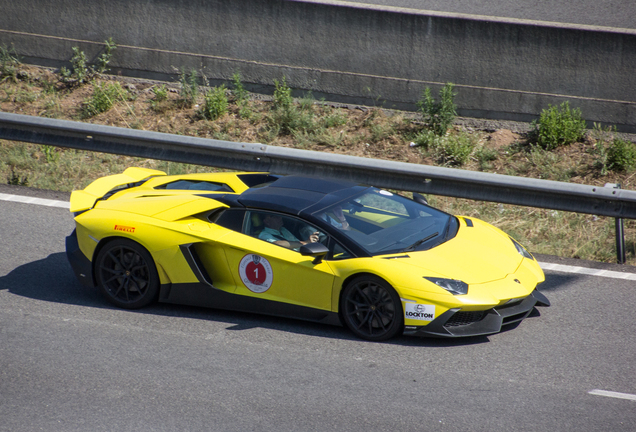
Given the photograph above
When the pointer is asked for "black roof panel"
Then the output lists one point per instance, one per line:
(292, 194)
(312, 184)
(280, 199)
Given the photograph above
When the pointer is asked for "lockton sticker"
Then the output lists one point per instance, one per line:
(256, 273)
(418, 311)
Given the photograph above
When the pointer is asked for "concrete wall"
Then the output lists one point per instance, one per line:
(505, 70)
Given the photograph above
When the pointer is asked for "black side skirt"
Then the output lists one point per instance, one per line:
(202, 294)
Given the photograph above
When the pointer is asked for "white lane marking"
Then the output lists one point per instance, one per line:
(33, 200)
(588, 271)
(613, 394)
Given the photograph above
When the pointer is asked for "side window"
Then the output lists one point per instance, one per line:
(196, 185)
(230, 219)
(338, 252)
(285, 231)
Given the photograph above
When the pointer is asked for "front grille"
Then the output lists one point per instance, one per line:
(464, 318)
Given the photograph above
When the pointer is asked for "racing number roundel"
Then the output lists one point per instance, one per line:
(256, 273)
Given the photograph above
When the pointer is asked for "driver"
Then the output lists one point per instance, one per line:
(275, 232)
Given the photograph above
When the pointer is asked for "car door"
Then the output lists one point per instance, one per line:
(266, 270)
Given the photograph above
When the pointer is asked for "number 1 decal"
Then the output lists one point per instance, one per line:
(256, 273)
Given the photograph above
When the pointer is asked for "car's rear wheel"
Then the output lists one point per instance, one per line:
(371, 308)
(126, 274)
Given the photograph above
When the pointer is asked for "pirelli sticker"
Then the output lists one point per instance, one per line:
(421, 312)
(124, 228)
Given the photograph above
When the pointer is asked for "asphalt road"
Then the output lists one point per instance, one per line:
(607, 13)
(70, 362)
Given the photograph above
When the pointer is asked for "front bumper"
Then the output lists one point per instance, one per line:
(82, 267)
(455, 323)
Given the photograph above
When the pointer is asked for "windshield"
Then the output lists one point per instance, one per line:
(382, 222)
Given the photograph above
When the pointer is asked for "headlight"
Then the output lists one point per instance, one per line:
(522, 251)
(453, 286)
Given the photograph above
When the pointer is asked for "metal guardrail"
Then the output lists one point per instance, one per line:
(426, 179)
(603, 201)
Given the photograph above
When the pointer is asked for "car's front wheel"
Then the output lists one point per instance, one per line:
(371, 308)
(126, 274)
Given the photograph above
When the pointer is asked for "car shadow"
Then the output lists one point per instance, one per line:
(559, 281)
(51, 279)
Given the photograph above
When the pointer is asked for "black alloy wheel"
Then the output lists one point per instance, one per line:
(371, 309)
(126, 274)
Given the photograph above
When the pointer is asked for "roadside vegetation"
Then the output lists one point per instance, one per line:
(557, 146)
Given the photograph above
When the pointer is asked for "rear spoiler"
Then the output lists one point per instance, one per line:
(85, 199)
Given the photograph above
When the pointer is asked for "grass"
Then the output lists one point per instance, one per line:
(103, 98)
(320, 126)
(72, 169)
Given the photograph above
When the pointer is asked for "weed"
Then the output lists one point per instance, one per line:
(306, 102)
(549, 165)
(241, 97)
(558, 126)
(9, 64)
(438, 116)
(52, 108)
(612, 153)
(484, 156)
(24, 96)
(48, 87)
(289, 120)
(215, 103)
(450, 150)
(380, 131)
(50, 153)
(286, 118)
(455, 150)
(621, 155)
(189, 90)
(103, 98)
(159, 103)
(423, 139)
(104, 58)
(377, 98)
(16, 180)
(329, 138)
(160, 92)
(282, 95)
(601, 136)
(333, 118)
(238, 91)
(79, 72)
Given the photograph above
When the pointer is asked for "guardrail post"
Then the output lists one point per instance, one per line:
(620, 232)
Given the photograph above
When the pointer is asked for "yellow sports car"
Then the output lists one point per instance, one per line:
(315, 249)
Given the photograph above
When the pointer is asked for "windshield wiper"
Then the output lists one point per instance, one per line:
(419, 242)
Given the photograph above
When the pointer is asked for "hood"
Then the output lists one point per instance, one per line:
(478, 254)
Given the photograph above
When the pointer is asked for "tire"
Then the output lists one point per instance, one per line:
(371, 309)
(126, 274)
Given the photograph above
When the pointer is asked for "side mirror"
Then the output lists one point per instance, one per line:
(419, 198)
(317, 250)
